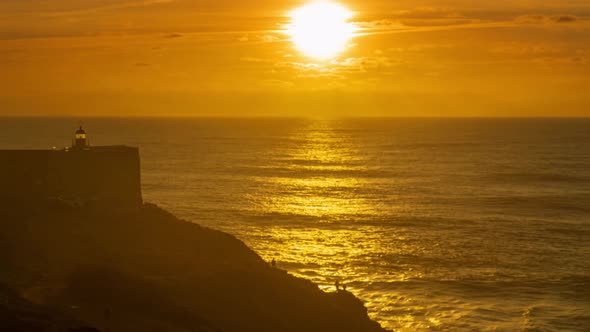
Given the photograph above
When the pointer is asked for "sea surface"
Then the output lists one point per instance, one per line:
(437, 224)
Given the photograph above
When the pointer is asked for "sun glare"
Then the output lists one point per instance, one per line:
(321, 29)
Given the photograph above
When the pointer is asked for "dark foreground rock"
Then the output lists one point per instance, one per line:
(19, 315)
(149, 271)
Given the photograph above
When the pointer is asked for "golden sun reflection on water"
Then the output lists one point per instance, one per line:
(316, 186)
(319, 197)
(321, 190)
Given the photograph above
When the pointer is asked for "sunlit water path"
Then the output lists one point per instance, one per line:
(437, 224)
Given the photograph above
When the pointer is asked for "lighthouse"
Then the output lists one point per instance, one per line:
(80, 175)
(80, 140)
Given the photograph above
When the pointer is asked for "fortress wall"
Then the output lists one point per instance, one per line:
(97, 176)
(23, 174)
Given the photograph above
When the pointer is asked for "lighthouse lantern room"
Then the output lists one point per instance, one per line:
(80, 139)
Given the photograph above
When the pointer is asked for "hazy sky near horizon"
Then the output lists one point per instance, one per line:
(233, 58)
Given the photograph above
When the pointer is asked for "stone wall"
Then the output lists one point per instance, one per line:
(92, 176)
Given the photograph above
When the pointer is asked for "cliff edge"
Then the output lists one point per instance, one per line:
(148, 270)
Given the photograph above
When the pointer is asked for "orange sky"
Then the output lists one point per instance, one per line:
(231, 58)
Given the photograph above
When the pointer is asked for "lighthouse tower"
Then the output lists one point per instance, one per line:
(80, 140)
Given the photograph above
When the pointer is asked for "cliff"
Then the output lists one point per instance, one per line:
(147, 270)
(20, 315)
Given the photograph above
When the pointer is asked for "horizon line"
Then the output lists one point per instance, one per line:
(65, 116)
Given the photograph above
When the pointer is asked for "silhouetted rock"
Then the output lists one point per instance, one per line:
(19, 315)
(83, 329)
(147, 270)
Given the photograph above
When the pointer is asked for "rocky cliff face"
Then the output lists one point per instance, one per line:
(20, 315)
(147, 270)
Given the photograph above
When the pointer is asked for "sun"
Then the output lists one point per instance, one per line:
(321, 29)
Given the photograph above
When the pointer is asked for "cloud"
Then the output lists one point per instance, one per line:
(564, 19)
(257, 60)
(273, 83)
(259, 37)
(545, 19)
(437, 22)
(341, 71)
(423, 13)
(417, 17)
(420, 18)
(91, 8)
(173, 35)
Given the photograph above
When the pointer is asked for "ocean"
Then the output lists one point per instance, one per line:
(436, 224)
